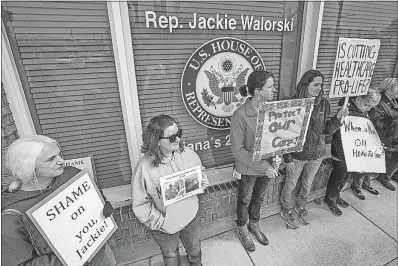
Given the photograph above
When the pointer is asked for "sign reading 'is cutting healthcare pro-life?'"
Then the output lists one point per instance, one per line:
(354, 66)
(281, 127)
(362, 147)
(71, 220)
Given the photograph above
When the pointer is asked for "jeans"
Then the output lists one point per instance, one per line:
(391, 166)
(356, 180)
(309, 169)
(338, 178)
(107, 259)
(168, 244)
(251, 192)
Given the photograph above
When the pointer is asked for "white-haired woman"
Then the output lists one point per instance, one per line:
(36, 164)
(385, 119)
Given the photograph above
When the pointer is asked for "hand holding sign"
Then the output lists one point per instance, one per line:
(342, 113)
(271, 172)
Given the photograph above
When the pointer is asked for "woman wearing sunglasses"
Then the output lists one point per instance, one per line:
(255, 175)
(165, 154)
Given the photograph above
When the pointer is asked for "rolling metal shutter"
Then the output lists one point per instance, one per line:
(67, 55)
(356, 19)
(160, 58)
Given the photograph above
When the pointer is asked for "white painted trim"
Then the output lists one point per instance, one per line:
(125, 70)
(14, 90)
(318, 34)
(312, 21)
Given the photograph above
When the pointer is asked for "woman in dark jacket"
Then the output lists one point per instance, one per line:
(310, 158)
(37, 166)
(385, 119)
(358, 106)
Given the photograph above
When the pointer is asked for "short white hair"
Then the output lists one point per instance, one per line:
(22, 154)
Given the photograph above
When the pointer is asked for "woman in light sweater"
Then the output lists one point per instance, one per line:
(164, 155)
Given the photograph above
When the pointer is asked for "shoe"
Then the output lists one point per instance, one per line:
(254, 228)
(342, 203)
(301, 211)
(388, 185)
(287, 215)
(371, 190)
(332, 207)
(244, 237)
(358, 193)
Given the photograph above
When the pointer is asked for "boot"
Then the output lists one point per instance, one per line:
(287, 215)
(254, 228)
(383, 179)
(244, 237)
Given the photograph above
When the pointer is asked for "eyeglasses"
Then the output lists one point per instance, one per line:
(173, 137)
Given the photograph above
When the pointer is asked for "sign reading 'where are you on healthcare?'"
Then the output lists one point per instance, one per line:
(71, 220)
(362, 147)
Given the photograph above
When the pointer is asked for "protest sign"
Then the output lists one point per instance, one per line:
(362, 147)
(82, 163)
(180, 185)
(71, 220)
(281, 127)
(354, 66)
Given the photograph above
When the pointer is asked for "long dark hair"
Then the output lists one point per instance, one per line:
(152, 134)
(256, 80)
(306, 79)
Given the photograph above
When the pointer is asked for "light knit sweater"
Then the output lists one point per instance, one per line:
(147, 200)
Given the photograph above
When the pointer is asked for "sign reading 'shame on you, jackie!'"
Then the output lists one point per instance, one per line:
(71, 220)
(217, 22)
(212, 77)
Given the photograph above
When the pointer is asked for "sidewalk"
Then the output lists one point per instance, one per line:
(366, 234)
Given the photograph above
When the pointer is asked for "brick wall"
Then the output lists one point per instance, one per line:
(218, 203)
(9, 133)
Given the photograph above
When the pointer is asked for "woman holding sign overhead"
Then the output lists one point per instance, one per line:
(310, 158)
(37, 166)
(255, 175)
(164, 154)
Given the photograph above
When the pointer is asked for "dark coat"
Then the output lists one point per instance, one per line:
(385, 119)
(16, 243)
(337, 146)
(319, 126)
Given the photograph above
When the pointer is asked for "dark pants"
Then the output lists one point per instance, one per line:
(356, 180)
(251, 194)
(168, 244)
(337, 180)
(391, 166)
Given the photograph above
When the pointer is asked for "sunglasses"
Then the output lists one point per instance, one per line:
(173, 137)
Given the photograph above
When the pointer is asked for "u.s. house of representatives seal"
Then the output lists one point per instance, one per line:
(212, 77)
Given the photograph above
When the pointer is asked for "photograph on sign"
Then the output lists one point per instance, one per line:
(362, 147)
(281, 127)
(71, 220)
(354, 66)
(180, 185)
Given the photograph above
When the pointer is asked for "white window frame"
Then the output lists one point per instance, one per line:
(14, 90)
(311, 32)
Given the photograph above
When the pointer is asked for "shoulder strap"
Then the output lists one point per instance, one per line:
(28, 226)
